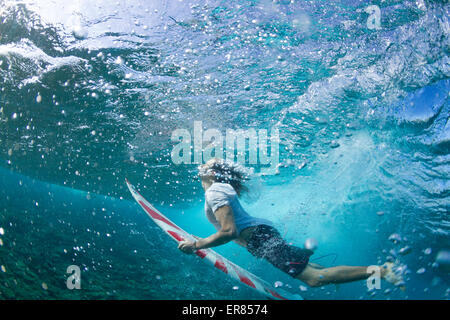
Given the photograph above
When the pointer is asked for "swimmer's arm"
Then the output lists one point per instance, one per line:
(227, 232)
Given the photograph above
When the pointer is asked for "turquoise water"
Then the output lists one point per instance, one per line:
(91, 93)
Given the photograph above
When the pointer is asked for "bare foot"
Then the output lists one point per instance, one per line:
(391, 275)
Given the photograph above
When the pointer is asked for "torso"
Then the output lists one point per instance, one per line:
(220, 193)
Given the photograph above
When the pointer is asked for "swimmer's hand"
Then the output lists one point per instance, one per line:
(187, 246)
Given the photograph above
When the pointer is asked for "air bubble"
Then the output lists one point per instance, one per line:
(278, 284)
(421, 271)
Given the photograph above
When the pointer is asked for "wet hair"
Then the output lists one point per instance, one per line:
(224, 171)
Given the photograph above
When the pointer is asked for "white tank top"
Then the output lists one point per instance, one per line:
(221, 194)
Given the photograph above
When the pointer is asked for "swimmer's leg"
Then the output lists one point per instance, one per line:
(316, 266)
(318, 277)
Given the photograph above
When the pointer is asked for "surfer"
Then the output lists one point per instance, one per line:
(223, 182)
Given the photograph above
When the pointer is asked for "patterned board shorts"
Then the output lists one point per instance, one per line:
(267, 243)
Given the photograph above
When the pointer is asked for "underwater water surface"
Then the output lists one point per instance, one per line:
(90, 93)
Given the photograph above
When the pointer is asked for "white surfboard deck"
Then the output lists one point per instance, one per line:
(209, 255)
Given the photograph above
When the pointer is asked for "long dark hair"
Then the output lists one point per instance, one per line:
(224, 171)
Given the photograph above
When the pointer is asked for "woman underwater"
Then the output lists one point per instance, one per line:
(223, 183)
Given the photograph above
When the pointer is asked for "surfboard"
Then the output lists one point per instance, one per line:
(208, 255)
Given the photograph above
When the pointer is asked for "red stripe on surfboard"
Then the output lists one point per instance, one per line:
(276, 295)
(156, 215)
(176, 235)
(220, 265)
(200, 253)
(244, 279)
